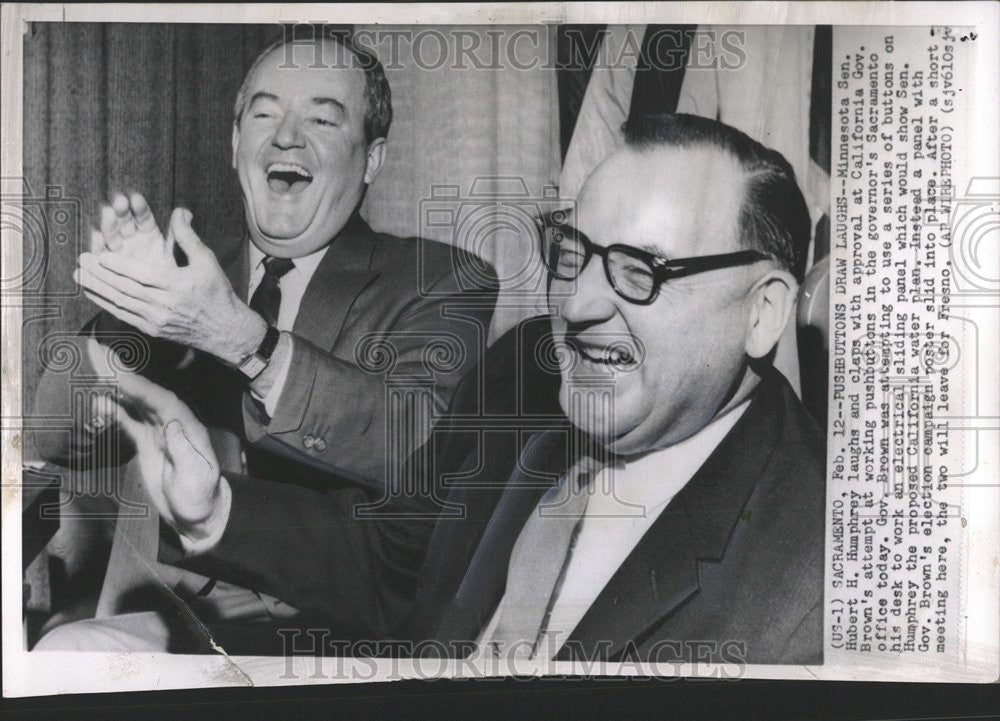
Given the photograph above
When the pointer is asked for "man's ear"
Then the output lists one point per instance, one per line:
(236, 141)
(773, 300)
(376, 156)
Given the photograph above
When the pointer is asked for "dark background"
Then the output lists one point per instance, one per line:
(609, 699)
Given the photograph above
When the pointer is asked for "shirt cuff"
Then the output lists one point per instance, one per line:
(216, 525)
(279, 366)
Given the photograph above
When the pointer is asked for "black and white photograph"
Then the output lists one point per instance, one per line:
(556, 341)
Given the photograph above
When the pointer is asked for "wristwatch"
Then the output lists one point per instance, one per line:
(255, 363)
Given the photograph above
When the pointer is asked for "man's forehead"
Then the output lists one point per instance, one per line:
(678, 200)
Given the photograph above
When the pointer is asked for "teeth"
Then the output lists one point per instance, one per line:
(289, 168)
(613, 356)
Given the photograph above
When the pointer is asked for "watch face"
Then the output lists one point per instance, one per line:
(252, 366)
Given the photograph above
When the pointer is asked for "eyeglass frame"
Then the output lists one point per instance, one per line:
(663, 269)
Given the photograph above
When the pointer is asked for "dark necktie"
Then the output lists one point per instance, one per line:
(267, 301)
(267, 298)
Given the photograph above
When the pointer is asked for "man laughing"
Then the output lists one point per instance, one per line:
(268, 349)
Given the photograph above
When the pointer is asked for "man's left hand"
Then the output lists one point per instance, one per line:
(177, 463)
(193, 305)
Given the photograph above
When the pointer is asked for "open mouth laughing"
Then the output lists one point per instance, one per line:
(285, 178)
(615, 356)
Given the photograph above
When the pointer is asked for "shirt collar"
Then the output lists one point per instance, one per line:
(307, 264)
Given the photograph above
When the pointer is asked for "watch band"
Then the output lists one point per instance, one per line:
(270, 342)
(255, 363)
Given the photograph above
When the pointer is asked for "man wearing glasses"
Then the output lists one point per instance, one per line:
(691, 529)
(680, 519)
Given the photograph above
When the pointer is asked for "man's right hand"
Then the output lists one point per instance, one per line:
(178, 465)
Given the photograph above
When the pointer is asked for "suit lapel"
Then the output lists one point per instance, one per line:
(662, 570)
(540, 465)
(341, 276)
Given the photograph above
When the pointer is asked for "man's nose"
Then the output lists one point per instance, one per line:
(588, 300)
(289, 133)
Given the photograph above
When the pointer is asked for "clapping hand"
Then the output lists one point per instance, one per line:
(131, 273)
(179, 468)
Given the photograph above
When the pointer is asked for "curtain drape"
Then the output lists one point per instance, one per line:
(471, 139)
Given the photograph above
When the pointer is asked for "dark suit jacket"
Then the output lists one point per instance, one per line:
(380, 314)
(732, 571)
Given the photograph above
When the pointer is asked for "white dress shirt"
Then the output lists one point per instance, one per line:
(293, 286)
(627, 499)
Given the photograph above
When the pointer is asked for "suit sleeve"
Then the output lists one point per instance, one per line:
(332, 413)
(310, 549)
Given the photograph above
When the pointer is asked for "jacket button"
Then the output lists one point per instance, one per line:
(320, 445)
(308, 441)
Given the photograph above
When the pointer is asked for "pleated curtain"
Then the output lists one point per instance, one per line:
(454, 126)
